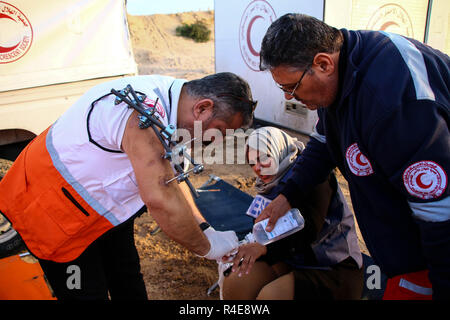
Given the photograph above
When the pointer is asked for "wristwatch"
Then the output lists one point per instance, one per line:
(204, 226)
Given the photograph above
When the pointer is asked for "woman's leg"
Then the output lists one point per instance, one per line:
(247, 286)
(281, 288)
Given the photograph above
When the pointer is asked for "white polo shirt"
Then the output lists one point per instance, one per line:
(103, 176)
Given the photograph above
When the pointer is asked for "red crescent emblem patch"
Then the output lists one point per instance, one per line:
(420, 183)
(357, 162)
(425, 180)
(159, 108)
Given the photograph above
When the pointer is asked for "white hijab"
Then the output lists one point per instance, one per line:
(278, 145)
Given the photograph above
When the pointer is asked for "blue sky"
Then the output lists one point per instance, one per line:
(145, 7)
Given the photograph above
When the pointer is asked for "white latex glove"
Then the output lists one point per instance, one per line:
(222, 243)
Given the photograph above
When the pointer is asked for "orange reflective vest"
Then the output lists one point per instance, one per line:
(52, 218)
(64, 191)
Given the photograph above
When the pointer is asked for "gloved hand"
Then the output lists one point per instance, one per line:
(222, 243)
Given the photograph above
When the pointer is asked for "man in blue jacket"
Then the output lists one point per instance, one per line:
(383, 104)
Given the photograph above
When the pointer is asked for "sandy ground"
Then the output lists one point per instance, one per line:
(170, 271)
(158, 50)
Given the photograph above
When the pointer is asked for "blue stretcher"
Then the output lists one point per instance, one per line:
(224, 206)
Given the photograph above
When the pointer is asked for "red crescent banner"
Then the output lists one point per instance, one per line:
(250, 35)
(391, 17)
(21, 33)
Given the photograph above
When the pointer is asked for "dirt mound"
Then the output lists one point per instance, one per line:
(158, 50)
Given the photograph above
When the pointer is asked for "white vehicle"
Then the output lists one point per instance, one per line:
(51, 52)
(240, 26)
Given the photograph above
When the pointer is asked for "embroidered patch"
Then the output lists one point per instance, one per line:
(257, 206)
(159, 108)
(425, 179)
(357, 162)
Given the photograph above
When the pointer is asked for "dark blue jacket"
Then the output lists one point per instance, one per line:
(388, 133)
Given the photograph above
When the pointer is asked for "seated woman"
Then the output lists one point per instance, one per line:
(322, 261)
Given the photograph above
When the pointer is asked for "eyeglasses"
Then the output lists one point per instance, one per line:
(292, 92)
(250, 102)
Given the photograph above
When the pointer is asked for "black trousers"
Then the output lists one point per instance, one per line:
(344, 281)
(108, 268)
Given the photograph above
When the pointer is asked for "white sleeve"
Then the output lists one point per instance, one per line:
(107, 123)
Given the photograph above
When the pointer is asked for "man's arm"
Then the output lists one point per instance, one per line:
(167, 203)
(412, 146)
(187, 194)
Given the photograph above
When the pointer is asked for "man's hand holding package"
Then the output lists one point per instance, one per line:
(276, 209)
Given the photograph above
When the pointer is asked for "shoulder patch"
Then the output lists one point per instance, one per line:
(357, 162)
(159, 108)
(425, 179)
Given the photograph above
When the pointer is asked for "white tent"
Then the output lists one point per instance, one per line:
(59, 41)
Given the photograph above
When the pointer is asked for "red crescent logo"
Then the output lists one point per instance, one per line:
(420, 183)
(151, 104)
(7, 49)
(4, 16)
(412, 179)
(249, 32)
(359, 161)
(391, 16)
(23, 32)
(388, 24)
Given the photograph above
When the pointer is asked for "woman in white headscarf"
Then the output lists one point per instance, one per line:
(322, 261)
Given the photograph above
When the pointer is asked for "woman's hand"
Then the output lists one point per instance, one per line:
(246, 256)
